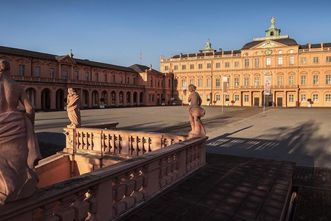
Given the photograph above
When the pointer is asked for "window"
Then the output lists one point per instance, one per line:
(52, 73)
(291, 61)
(236, 82)
(280, 60)
(200, 66)
(166, 67)
(218, 97)
(315, 79)
(227, 97)
(96, 76)
(218, 82)
(280, 80)
(315, 97)
(208, 65)
(315, 60)
(236, 97)
(208, 82)
(175, 67)
(246, 81)
(36, 71)
(303, 79)
(268, 61)
(236, 64)
(246, 98)
(246, 62)
(303, 97)
(88, 74)
(183, 67)
(191, 81)
(114, 79)
(105, 77)
(291, 80)
(328, 79)
(200, 82)
(257, 62)
(303, 60)
(291, 98)
(184, 83)
(21, 70)
(218, 65)
(227, 64)
(328, 97)
(65, 74)
(328, 59)
(77, 75)
(191, 66)
(257, 81)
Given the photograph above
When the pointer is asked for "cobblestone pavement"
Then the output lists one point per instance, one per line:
(227, 188)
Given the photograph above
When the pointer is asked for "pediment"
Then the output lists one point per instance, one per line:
(65, 59)
(268, 44)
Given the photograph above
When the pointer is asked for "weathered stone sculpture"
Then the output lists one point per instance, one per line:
(73, 108)
(19, 151)
(195, 113)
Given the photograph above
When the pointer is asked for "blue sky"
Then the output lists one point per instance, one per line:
(117, 31)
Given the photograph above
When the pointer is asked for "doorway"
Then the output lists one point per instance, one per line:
(279, 101)
(256, 101)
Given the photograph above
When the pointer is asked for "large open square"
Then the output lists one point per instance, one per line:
(299, 135)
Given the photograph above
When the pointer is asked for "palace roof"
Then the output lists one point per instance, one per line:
(52, 57)
(142, 68)
(285, 41)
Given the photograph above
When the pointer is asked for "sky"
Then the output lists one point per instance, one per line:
(127, 32)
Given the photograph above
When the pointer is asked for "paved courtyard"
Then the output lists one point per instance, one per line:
(174, 119)
(299, 135)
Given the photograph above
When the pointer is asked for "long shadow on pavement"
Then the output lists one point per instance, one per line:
(299, 144)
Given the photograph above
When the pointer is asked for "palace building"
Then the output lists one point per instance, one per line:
(46, 78)
(292, 75)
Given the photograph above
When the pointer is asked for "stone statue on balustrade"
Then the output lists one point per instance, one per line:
(19, 150)
(195, 113)
(73, 110)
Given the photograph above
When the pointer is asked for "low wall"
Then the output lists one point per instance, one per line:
(53, 169)
(110, 192)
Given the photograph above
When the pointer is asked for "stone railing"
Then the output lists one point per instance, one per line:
(110, 192)
(121, 143)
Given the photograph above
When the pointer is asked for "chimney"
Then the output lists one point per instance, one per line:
(150, 67)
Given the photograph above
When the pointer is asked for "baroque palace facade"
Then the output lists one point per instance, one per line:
(46, 78)
(300, 75)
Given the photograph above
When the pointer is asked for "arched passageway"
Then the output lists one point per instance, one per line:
(46, 99)
(60, 99)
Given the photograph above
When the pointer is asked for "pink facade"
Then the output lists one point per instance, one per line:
(46, 78)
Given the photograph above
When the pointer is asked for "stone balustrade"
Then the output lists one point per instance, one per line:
(110, 192)
(121, 143)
